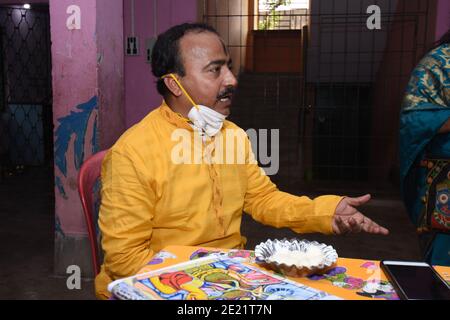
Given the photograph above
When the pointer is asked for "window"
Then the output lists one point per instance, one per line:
(282, 14)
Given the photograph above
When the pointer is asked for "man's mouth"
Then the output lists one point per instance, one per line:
(226, 99)
(227, 96)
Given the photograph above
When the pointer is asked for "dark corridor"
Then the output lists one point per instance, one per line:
(26, 124)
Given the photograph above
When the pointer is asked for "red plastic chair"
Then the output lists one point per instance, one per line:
(87, 177)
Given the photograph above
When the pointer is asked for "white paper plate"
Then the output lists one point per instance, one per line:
(303, 257)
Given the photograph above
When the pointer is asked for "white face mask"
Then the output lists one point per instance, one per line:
(204, 118)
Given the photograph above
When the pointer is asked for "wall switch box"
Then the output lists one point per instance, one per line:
(150, 43)
(132, 47)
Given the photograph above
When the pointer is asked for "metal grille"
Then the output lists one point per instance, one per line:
(25, 92)
(333, 88)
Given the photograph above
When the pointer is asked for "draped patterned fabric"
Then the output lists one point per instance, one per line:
(426, 107)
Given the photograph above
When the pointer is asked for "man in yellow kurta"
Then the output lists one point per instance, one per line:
(175, 178)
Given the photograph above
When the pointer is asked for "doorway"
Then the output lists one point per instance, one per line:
(26, 130)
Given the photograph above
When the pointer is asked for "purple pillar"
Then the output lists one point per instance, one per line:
(87, 75)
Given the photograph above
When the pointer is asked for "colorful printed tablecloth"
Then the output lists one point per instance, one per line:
(352, 279)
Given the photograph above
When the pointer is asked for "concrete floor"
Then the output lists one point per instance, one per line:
(27, 237)
(27, 234)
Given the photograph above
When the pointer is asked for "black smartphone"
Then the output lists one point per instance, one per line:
(415, 280)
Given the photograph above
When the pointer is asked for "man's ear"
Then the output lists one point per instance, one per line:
(173, 87)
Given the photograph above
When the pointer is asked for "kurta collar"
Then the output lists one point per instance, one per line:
(174, 118)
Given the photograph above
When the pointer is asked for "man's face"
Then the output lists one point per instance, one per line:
(208, 78)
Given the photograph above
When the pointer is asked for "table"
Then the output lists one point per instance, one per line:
(352, 279)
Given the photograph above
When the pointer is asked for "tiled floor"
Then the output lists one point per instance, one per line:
(27, 231)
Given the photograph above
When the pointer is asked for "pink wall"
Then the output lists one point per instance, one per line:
(442, 18)
(74, 76)
(140, 92)
(88, 109)
(110, 59)
(88, 97)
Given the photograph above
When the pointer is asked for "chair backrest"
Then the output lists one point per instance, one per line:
(87, 177)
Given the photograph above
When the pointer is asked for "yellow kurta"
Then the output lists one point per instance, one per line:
(150, 201)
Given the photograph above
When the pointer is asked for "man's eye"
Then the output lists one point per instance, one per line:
(215, 70)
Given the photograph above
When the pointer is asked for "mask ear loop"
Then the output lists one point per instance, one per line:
(182, 89)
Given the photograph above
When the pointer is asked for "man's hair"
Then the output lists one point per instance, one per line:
(166, 55)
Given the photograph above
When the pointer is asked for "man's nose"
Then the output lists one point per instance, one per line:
(230, 79)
